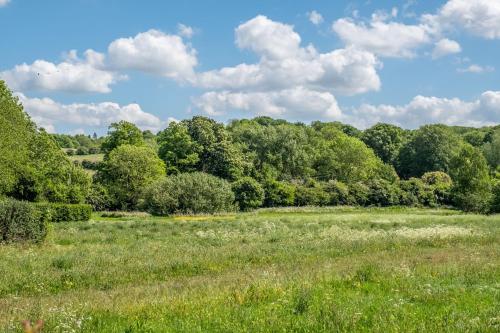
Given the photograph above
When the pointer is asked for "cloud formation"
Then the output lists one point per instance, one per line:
(4, 3)
(49, 114)
(315, 17)
(445, 47)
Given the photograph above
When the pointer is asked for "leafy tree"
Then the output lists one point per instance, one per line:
(386, 140)
(492, 150)
(278, 194)
(471, 181)
(122, 133)
(248, 193)
(440, 183)
(127, 171)
(16, 131)
(179, 151)
(431, 148)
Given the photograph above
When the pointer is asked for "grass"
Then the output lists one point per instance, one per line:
(281, 270)
(91, 157)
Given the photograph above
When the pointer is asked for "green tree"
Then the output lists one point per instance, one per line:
(16, 131)
(248, 193)
(431, 148)
(127, 171)
(179, 151)
(386, 141)
(122, 133)
(492, 150)
(471, 181)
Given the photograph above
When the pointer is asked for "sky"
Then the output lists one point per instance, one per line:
(79, 65)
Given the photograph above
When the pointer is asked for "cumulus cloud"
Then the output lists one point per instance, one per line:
(48, 113)
(286, 70)
(185, 31)
(479, 17)
(154, 52)
(315, 17)
(476, 69)
(297, 103)
(423, 110)
(72, 75)
(445, 47)
(388, 39)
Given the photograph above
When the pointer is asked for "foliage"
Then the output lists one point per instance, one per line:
(495, 202)
(383, 193)
(22, 221)
(278, 194)
(440, 183)
(122, 133)
(99, 198)
(176, 147)
(471, 181)
(492, 150)
(189, 193)
(386, 141)
(67, 212)
(127, 171)
(431, 148)
(338, 193)
(415, 192)
(311, 195)
(248, 193)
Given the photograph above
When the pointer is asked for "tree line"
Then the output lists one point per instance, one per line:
(200, 165)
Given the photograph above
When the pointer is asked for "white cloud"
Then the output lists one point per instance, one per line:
(48, 113)
(154, 52)
(315, 17)
(298, 103)
(388, 39)
(185, 31)
(445, 47)
(424, 110)
(476, 69)
(4, 3)
(478, 17)
(73, 75)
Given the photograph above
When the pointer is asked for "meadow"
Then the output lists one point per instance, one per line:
(273, 270)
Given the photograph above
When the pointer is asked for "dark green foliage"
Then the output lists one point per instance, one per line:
(278, 194)
(188, 193)
(440, 183)
(248, 193)
(122, 133)
(415, 192)
(359, 194)
(99, 198)
(383, 193)
(127, 171)
(430, 149)
(22, 221)
(471, 181)
(338, 193)
(491, 150)
(386, 141)
(495, 202)
(67, 212)
(311, 195)
(176, 147)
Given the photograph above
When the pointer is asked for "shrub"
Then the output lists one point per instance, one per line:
(248, 193)
(22, 221)
(60, 212)
(359, 194)
(278, 194)
(90, 165)
(495, 203)
(383, 193)
(338, 193)
(188, 193)
(310, 196)
(99, 198)
(94, 150)
(441, 184)
(415, 192)
(82, 151)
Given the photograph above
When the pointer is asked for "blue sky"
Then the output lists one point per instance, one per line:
(151, 62)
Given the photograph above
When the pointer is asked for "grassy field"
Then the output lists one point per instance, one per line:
(288, 270)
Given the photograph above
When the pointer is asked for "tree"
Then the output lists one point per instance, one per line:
(179, 151)
(16, 130)
(430, 149)
(386, 141)
(492, 150)
(127, 171)
(248, 193)
(471, 181)
(122, 133)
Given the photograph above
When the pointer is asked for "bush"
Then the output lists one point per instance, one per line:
(278, 194)
(495, 203)
(22, 221)
(338, 193)
(415, 192)
(311, 196)
(248, 193)
(441, 184)
(359, 194)
(94, 150)
(383, 193)
(99, 198)
(60, 212)
(188, 193)
(90, 165)
(82, 151)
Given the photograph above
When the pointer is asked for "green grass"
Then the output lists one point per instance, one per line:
(281, 270)
(91, 157)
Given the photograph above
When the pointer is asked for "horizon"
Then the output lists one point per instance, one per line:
(407, 63)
